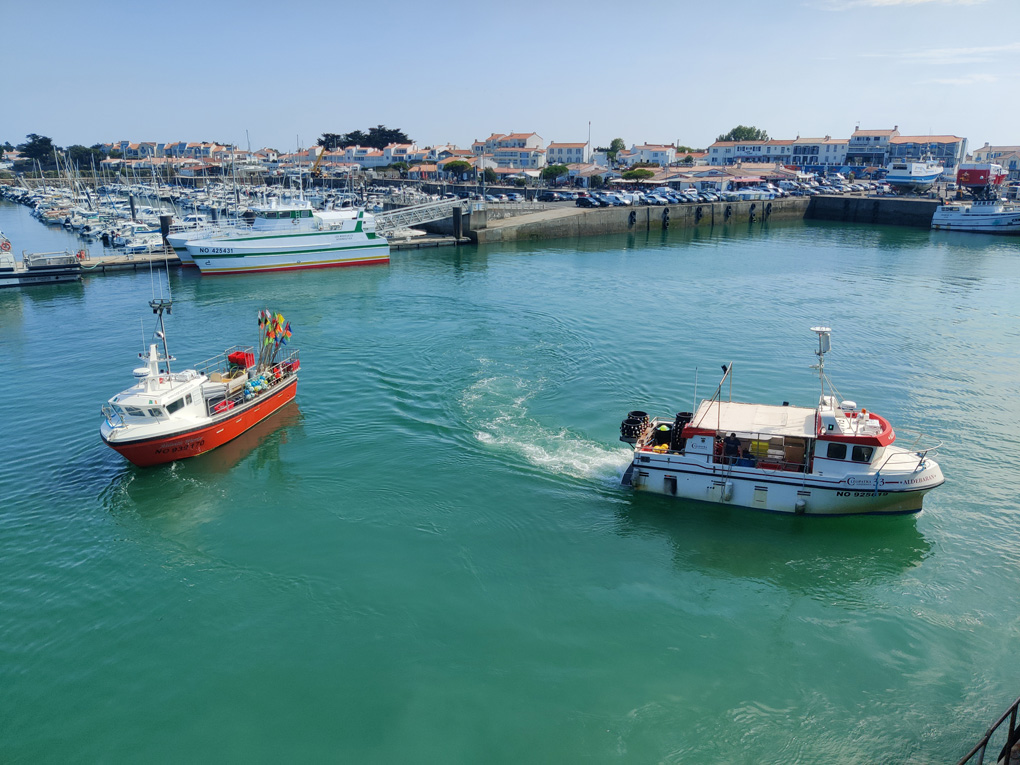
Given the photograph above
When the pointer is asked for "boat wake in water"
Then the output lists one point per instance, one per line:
(496, 407)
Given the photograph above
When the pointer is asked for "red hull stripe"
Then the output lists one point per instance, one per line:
(372, 262)
(191, 443)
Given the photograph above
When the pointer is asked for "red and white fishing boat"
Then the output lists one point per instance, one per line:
(980, 177)
(829, 460)
(169, 415)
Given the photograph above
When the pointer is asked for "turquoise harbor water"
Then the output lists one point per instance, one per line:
(429, 557)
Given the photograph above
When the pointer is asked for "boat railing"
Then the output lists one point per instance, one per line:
(920, 443)
(220, 362)
(256, 383)
(764, 451)
(1012, 739)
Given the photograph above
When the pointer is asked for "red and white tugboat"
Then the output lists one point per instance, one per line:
(168, 415)
(830, 460)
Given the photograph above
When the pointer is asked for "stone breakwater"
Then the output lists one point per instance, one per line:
(564, 221)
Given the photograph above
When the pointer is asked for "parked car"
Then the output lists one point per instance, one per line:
(587, 202)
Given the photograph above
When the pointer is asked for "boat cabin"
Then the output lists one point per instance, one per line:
(834, 437)
(771, 437)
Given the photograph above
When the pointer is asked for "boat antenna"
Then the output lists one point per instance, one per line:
(824, 346)
(158, 306)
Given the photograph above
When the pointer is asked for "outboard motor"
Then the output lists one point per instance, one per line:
(633, 426)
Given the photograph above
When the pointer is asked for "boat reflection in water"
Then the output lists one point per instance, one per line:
(799, 554)
(269, 434)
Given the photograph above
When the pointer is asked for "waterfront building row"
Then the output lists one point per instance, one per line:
(864, 148)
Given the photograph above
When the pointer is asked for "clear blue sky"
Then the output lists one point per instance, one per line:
(449, 72)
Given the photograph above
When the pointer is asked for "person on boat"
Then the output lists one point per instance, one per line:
(731, 448)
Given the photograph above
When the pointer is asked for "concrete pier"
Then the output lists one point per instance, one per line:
(566, 221)
(103, 264)
(893, 211)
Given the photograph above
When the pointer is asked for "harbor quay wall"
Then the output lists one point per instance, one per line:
(877, 210)
(620, 220)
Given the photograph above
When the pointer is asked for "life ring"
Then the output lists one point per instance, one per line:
(5, 246)
(80, 255)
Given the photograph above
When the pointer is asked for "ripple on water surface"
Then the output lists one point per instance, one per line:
(433, 541)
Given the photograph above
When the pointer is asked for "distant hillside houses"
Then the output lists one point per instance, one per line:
(514, 153)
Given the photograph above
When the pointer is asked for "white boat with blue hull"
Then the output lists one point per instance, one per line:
(284, 239)
(832, 459)
(913, 175)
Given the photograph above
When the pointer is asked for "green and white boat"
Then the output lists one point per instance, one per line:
(289, 238)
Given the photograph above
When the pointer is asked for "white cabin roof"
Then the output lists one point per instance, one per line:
(764, 419)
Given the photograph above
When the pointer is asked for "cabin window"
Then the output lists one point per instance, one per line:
(134, 411)
(156, 412)
(173, 406)
(836, 452)
(187, 399)
(862, 453)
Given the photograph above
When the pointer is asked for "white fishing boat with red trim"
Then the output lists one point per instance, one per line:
(169, 415)
(834, 459)
(995, 216)
(287, 239)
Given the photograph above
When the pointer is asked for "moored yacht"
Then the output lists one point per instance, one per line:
(984, 217)
(38, 268)
(833, 459)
